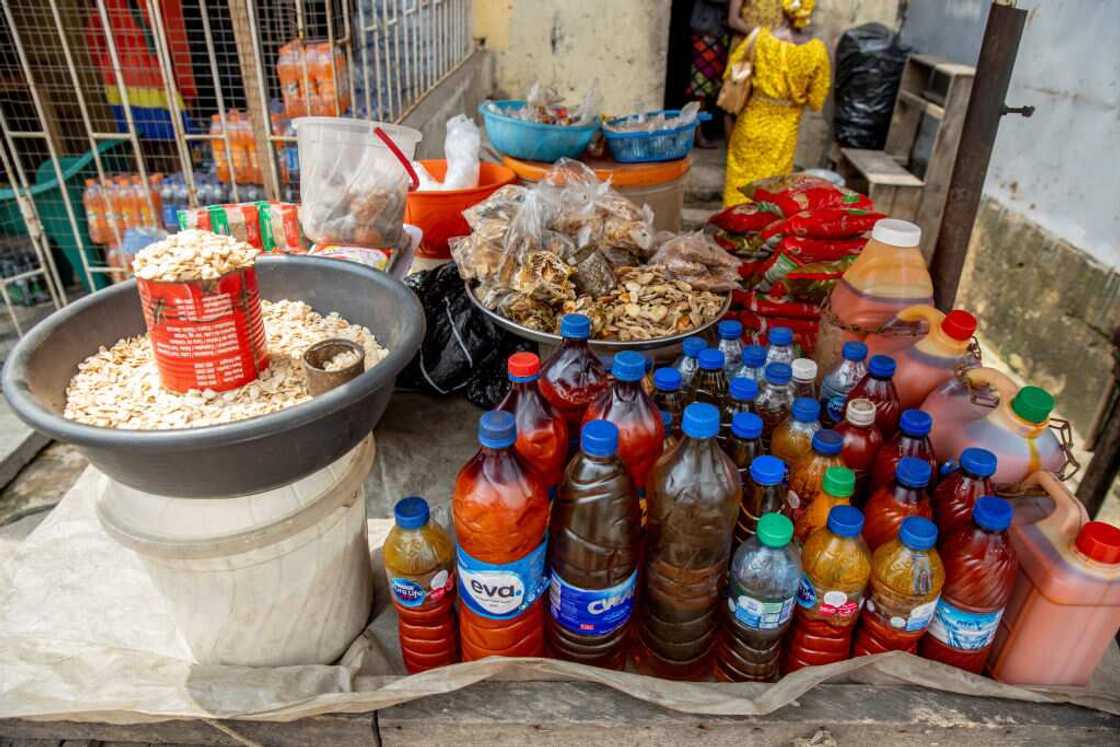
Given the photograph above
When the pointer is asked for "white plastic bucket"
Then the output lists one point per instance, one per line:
(271, 579)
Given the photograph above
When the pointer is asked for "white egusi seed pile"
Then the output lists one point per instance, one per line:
(119, 387)
(192, 255)
(341, 361)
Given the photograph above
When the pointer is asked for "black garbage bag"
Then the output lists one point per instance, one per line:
(869, 64)
(463, 351)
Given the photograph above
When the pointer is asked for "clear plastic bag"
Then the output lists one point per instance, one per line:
(699, 261)
(461, 149)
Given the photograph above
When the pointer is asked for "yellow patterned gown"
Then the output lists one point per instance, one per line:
(787, 77)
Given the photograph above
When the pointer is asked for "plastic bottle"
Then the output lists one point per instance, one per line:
(595, 538)
(781, 346)
(765, 574)
(641, 436)
(573, 377)
(911, 440)
(906, 580)
(670, 442)
(500, 508)
(980, 571)
(693, 502)
(887, 276)
(218, 147)
(804, 377)
(792, 441)
(839, 381)
(775, 398)
(955, 495)
(94, 203)
(806, 482)
(647, 378)
(687, 364)
(836, 567)
(710, 383)
(754, 363)
(1065, 608)
(878, 387)
(862, 441)
(741, 395)
(730, 332)
(765, 492)
(129, 207)
(542, 435)
(288, 69)
(745, 443)
(668, 396)
(891, 504)
(925, 363)
(145, 206)
(419, 560)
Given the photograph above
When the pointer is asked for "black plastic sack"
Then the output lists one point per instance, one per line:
(463, 351)
(869, 64)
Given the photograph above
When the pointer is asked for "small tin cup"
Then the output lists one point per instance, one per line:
(320, 380)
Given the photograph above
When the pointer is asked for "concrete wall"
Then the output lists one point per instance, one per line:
(461, 93)
(570, 43)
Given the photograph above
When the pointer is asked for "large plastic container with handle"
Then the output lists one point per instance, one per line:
(269, 579)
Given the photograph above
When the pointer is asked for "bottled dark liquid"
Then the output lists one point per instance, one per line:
(595, 544)
(542, 434)
(775, 399)
(573, 377)
(893, 503)
(765, 492)
(741, 394)
(745, 444)
(862, 442)
(710, 383)
(912, 440)
(669, 396)
(878, 387)
(955, 495)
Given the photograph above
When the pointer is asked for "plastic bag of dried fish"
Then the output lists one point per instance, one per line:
(699, 261)
(595, 215)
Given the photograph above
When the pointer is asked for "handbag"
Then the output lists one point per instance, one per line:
(736, 88)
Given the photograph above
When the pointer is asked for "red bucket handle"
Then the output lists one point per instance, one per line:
(413, 178)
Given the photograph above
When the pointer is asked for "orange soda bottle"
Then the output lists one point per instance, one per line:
(141, 191)
(807, 475)
(129, 206)
(836, 567)
(420, 565)
(218, 145)
(289, 64)
(793, 439)
(500, 508)
(542, 435)
(835, 489)
(95, 212)
(904, 496)
(906, 581)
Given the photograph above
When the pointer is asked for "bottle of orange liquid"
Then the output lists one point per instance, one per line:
(95, 212)
(836, 567)
(501, 512)
(218, 146)
(807, 475)
(793, 439)
(835, 489)
(420, 564)
(906, 580)
(289, 63)
(542, 434)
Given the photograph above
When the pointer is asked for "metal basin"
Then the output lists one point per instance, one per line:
(239, 458)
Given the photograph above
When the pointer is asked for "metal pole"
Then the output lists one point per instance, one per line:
(978, 135)
(1103, 467)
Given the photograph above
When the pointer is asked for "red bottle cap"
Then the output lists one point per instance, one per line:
(523, 365)
(1100, 542)
(960, 325)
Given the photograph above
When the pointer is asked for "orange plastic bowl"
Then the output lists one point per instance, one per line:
(440, 214)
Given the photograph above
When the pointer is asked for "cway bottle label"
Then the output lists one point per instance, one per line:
(592, 611)
(959, 629)
(757, 614)
(415, 591)
(502, 591)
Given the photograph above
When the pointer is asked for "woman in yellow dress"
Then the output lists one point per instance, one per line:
(791, 71)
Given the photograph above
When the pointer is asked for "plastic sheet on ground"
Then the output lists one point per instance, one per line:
(85, 637)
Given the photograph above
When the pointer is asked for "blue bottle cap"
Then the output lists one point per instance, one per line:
(806, 410)
(828, 443)
(881, 366)
(991, 513)
(692, 346)
(845, 521)
(746, 425)
(781, 336)
(918, 533)
(979, 462)
(743, 389)
(667, 379)
(575, 327)
(729, 329)
(854, 350)
(411, 512)
(778, 374)
(497, 429)
(754, 356)
(915, 423)
(700, 420)
(711, 359)
(768, 470)
(599, 438)
(912, 472)
(628, 366)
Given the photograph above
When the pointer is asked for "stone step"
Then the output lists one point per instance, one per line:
(693, 217)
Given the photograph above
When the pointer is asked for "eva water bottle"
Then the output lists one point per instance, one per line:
(500, 508)
(839, 381)
(688, 362)
(542, 434)
(573, 377)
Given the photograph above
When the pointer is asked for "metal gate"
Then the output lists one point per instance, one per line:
(115, 113)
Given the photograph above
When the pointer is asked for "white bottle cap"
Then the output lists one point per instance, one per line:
(901, 233)
(861, 412)
(804, 369)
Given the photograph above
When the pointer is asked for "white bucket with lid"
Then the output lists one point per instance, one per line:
(270, 579)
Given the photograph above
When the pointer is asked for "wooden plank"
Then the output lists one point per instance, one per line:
(905, 120)
(942, 159)
(879, 168)
(563, 713)
(922, 105)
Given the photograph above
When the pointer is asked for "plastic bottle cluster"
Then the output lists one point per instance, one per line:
(123, 202)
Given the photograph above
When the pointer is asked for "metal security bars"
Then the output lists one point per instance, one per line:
(115, 114)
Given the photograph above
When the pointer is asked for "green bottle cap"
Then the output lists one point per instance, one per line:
(1032, 404)
(839, 482)
(775, 530)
